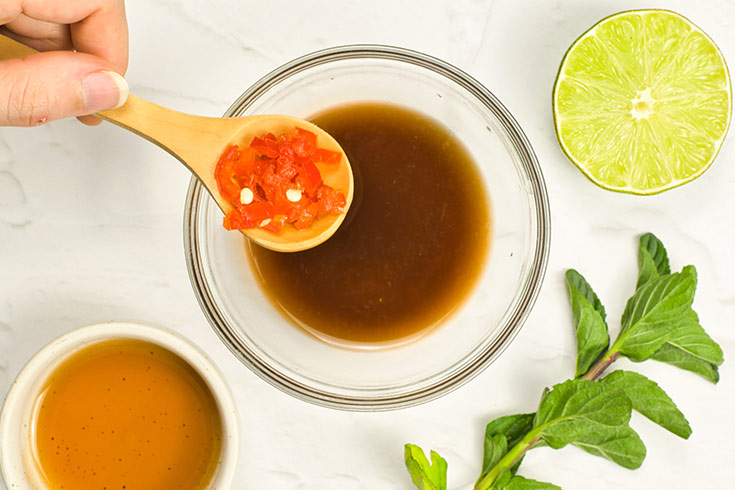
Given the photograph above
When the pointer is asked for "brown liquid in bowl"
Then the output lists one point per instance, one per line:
(414, 241)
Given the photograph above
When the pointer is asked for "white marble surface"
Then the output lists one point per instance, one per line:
(91, 230)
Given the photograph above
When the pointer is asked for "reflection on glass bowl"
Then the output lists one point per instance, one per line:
(389, 378)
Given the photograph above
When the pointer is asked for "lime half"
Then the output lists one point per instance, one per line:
(642, 102)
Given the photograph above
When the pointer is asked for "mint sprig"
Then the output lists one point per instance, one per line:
(658, 323)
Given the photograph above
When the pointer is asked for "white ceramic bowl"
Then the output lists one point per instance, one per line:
(18, 467)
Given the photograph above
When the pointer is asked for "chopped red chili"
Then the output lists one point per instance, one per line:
(282, 180)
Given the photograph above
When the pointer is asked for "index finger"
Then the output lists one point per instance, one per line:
(98, 27)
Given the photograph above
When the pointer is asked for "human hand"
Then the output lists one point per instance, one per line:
(79, 72)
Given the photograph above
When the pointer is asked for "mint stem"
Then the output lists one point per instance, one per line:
(519, 456)
(600, 366)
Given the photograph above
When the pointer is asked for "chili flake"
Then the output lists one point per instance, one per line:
(275, 181)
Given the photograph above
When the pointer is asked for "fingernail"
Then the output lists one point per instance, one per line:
(104, 90)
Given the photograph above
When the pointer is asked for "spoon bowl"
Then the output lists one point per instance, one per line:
(198, 142)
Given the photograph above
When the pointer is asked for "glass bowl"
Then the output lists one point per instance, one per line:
(478, 331)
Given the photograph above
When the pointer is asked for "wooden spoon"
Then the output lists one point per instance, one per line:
(198, 141)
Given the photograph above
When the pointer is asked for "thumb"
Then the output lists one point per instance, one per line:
(53, 85)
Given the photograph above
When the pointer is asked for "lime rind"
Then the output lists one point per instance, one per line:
(642, 102)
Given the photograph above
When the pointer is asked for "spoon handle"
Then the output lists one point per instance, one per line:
(191, 139)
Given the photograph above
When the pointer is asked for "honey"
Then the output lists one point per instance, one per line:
(126, 414)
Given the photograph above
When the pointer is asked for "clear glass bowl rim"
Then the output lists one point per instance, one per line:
(529, 292)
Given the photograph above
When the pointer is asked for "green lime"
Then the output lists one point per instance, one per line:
(642, 102)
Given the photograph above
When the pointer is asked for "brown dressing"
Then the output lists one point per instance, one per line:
(126, 414)
(414, 241)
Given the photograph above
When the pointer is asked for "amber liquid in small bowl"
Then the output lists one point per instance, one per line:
(412, 246)
(126, 414)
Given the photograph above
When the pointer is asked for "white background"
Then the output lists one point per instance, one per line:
(91, 230)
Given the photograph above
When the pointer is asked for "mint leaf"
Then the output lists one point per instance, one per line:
(520, 483)
(689, 347)
(646, 268)
(580, 284)
(513, 427)
(589, 322)
(424, 475)
(619, 444)
(650, 400)
(503, 479)
(494, 448)
(578, 405)
(672, 354)
(690, 336)
(593, 417)
(653, 261)
(654, 311)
